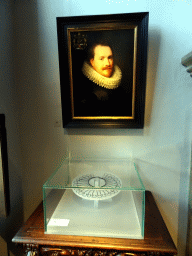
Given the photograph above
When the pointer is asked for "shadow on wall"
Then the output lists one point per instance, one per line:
(42, 145)
(169, 185)
(154, 41)
(10, 224)
(189, 233)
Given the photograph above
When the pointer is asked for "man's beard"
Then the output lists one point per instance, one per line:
(110, 69)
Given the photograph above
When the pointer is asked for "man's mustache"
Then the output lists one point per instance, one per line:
(107, 68)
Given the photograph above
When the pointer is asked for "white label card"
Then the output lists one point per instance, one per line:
(59, 222)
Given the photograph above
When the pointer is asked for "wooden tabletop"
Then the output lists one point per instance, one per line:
(156, 239)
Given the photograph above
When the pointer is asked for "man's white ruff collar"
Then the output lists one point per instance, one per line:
(106, 82)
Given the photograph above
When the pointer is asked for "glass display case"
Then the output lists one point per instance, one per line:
(95, 197)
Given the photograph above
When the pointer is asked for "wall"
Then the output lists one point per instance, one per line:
(37, 78)
(34, 145)
(189, 234)
(8, 102)
(161, 149)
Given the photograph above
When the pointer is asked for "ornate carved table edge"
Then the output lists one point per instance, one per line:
(36, 250)
(93, 252)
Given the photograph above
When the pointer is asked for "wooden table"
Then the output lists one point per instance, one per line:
(157, 240)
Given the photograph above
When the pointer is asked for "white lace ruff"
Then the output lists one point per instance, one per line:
(106, 82)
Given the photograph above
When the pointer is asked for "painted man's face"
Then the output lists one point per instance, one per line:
(103, 60)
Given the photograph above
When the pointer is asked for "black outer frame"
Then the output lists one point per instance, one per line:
(4, 155)
(141, 19)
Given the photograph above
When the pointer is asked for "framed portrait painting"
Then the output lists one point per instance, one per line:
(102, 61)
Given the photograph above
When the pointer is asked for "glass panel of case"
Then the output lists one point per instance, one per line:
(95, 197)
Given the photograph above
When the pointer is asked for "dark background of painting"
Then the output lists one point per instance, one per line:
(122, 42)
